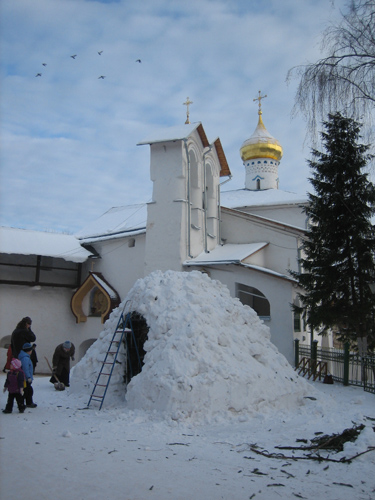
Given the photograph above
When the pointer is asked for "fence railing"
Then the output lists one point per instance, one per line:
(345, 367)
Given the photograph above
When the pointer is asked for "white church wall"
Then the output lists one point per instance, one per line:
(291, 215)
(166, 241)
(261, 173)
(281, 253)
(279, 293)
(121, 262)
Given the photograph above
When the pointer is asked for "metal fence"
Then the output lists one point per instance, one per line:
(345, 367)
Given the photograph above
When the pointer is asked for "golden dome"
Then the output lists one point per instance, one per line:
(261, 144)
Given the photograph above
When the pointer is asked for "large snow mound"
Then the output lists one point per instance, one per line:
(206, 354)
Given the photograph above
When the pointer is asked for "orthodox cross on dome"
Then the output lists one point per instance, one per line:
(259, 99)
(187, 104)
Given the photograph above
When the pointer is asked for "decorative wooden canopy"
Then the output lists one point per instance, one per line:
(102, 298)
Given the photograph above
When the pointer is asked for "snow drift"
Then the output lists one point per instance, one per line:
(206, 353)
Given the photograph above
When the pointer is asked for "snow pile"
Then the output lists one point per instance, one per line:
(206, 353)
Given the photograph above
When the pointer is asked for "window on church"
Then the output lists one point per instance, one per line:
(258, 184)
(254, 298)
(297, 322)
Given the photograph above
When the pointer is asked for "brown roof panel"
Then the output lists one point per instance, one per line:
(225, 170)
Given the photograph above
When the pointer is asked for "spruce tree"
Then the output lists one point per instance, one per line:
(338, 258)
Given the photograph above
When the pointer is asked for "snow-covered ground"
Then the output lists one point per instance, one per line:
(59, 451)
(205, 419)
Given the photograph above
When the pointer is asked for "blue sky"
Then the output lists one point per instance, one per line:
(68, 138)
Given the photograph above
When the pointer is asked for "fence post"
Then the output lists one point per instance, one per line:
(346, 363)
(296, 352)
(314, 356)
(314, 349)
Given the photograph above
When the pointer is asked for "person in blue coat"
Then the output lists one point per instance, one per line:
(28, 369)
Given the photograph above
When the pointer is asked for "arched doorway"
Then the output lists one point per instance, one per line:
(83, 348)
(135, 345)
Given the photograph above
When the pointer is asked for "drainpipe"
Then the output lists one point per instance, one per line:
(188, 198)
(219, 205)
(205, 197)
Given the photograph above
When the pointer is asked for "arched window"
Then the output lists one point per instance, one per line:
(195, 192)
(258, 184)
(211, 208)
(254, 298)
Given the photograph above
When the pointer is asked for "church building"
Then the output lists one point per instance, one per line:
(247, 239)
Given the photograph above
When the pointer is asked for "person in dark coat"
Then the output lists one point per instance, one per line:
(61, 362)
(21, 335)
(34, 357)
(9, 359)
(14, 385)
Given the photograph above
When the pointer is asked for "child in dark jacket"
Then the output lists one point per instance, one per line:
(14, 385)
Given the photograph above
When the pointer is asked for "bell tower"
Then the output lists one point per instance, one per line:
(261, 155)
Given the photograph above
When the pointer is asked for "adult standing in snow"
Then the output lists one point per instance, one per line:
(21, 335)
(61, 362)
(28, 369)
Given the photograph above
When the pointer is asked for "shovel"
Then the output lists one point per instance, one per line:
(59, 386)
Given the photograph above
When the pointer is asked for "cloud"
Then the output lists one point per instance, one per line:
(69, 138)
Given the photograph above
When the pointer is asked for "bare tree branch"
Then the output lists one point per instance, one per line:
(344, 80)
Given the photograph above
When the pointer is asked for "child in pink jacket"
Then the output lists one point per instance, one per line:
(14, 384)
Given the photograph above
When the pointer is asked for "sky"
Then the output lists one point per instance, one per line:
(201, 419)
(69, 138)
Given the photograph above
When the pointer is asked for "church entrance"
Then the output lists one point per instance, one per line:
(135, 345)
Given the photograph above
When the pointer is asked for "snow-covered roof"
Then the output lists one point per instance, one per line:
(106, 286)
(270, 197)
(226, 254)
(175, 133)
(116, 222)
(234, 254)
(27, 242)
(265, 270)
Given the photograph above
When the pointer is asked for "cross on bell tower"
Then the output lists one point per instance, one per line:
(259, 99)
(187, 104)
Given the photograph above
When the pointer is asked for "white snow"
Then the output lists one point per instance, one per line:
(110, 291)
(227, 254)
(267, 197)
(27, 242)
(129, 219)
(207, 355)
(212, 392)
(167, 134)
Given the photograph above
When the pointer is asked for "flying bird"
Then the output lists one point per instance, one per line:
(44, 64)
(138, 61)
(101, 77)
(74, 56)
(100, 52)
(38, 74)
